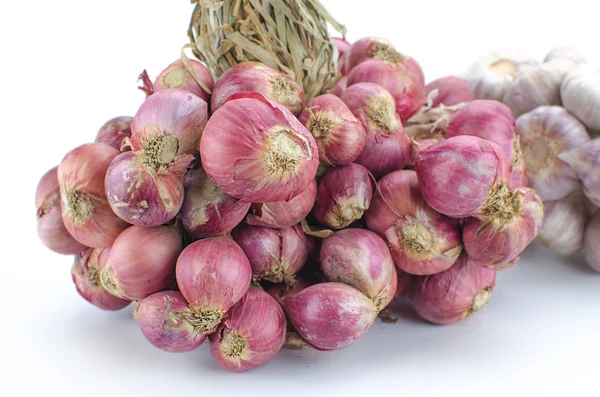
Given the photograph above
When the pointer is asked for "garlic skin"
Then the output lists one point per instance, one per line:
(565, 53)
(537, 86)
(545, 133)
(564, 224)
(591, 247)
(585, 161)
(580, 93)
(490, 76)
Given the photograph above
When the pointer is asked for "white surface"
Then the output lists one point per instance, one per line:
(68, 66)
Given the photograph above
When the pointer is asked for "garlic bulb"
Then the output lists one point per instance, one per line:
(591, 247)
(565, 53)
(490, 76)
(537, 86)
(564, 223)
(545, 133)
(580, 93)
(585, 161)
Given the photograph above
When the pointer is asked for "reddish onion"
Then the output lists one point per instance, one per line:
(451, 91)
(142, 262)
(403, 78)
(252, 333)
(208, 211)
(339, 87)
(176, 75)
(275, 255)
(163, 319)
(114, 131)
(454, 294)
(168, 124)
(404, 285)
(342, 47)
(340, 136)
(360, 259)
(421, 240)
(495, 244)
(464, 176)
(212, 274)
(280, 214)
(143, 195)
(387, 147)
(85, 210)
(86, 275)
(330, 316)
(257, 151)
(343, 196)
(487, 119)
(255, 77)
(50, 226)
(370, 48)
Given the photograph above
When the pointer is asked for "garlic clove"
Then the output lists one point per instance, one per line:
(580, 94)
(585, 161)
(565, 53)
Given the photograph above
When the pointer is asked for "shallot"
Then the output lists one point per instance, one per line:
(177, 75)
(114, 132)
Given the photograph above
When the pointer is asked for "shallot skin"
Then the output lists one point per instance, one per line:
(114, 131)
(176, 75)
(495, 245)
(255, 77)
(50, 226)
(142, 261)
(404, 284)
(282, 214)
(457, 175)
(343, 47)
(251, 334)
(86, 271)
(585, 162)
(85, 211)
(162, 319)
(330, 316)
(369, 48)
(360, 259)
(257, 151)
(343, 195)
(454, 294)
(207, 211)
(451, 91)
(339, 87)
(487, 119)
(421, 240)
(591, 247)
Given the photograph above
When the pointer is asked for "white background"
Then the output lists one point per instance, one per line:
(68, 66)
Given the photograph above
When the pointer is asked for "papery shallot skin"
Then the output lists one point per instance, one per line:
(403, 79)
(404, 284)
(255, 77)
(176, 75)
(142, 261)
(282, 214)
(213, 274)
(457, 175)
(339, 135)
(142, 196)
(487, 119)
(370, 48)
(545, 133)
(207, 211)
(86, 271)
(114, 131)
(387, 148)
(85, 211)
(276, 255)
(50, 226)
(422, 241)
(360, 259)
(169, 124)
(454, 294)
(251, 334)
(585, 161)
(343, 195)
(591, 246)
(496, 244)
(162, 319)
(342, 47)
(339, 87)
(330, 316)
(257, 151)
(451, 91)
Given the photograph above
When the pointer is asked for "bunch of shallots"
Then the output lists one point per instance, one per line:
(242, 213)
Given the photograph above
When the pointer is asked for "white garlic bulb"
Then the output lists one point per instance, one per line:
(564, 223)
(585, 161)
(580, 93)
(565, 53)
(489, 76)
(546, 132)
(537, 86)
(591, 248)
